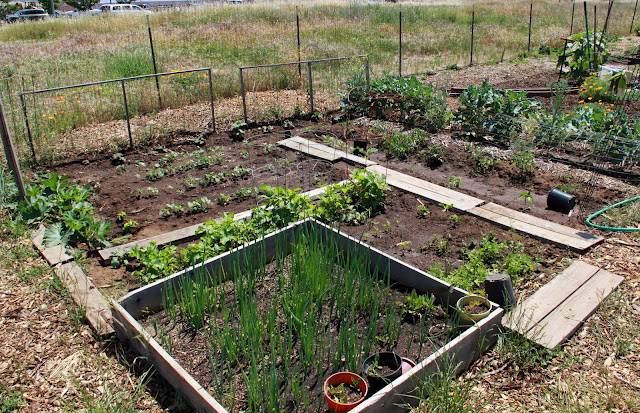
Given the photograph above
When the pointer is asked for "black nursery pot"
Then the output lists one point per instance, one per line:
(560, 201)
(360, 147)
(391, 362)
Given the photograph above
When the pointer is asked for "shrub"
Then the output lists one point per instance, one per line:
(401, 144)
(407, 100)
(579, 56)
(494, 114)
(51, 198)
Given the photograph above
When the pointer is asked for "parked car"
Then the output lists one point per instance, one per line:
(26, 14)
(121, 8)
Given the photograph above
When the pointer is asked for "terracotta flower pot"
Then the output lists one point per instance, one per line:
(348, 379)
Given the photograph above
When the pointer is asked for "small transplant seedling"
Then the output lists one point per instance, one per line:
(130, 226)
(454, 182)
(423, 209)
(527, 198)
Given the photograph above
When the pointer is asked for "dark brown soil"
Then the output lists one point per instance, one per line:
(116, 189)
(475, 307)
(401, 232)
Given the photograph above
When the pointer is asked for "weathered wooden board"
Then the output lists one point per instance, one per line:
(554, 312)
(537, 227)
(561, 323)
(129, 330)
(87, 296)
(315, 149)
(534, 309)
(437, 193)
(53, 255)
(187, 233)
(323, 151)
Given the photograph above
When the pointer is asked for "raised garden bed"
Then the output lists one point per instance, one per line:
(309, 327)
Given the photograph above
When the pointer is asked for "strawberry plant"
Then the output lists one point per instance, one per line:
(199, 205)
(240, 172)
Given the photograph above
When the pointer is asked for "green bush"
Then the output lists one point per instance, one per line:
(579, 56)
(50, 198)
(406, 100)
(489, 113)
(401, 145)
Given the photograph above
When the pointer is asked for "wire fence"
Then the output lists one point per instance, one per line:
(393, 36)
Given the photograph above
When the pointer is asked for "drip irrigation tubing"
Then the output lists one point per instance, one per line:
(607, 208)
(628, 177)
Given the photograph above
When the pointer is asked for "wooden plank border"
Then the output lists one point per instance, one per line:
(54, 255)
(462, 350)
(96, 308)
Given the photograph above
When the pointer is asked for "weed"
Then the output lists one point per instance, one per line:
(267, 148)
(482, 163)
(423, 209)
(10, 401)
(154, 174)
(121, 216)
(523, 352)
(455, 219)
(454, 182)
(523, 160)
(401, 145)
(527, 198)
(334, 142)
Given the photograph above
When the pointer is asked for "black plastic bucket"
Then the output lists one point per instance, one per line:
(388, 359)
(360, 146)
(560, 201)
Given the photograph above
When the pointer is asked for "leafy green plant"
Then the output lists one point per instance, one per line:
(334, 142)
(223, 199)
(147, 192)
(238, 130)
(191, 182)
(454, 182)
(455, 219)
(482, 163)
(171, 209)
(496, 115)
(401, 145)
(406, 99)
(121, 216)
(152, 263)
(418, 305)
(154, 174)
(523, 160)
(212, 179)
(423, 209)
(199, 205)
(433, 155)
(10, 401)
(240, 172)
(581, 57)
(51, 198)
(130, 226)
(597, 89)
(527, 198)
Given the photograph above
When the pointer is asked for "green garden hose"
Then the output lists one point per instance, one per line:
(603, 210)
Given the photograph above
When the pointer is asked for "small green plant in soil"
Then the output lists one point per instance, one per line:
(237, 131)
(481, 163)
(212, 179)
(527, 198)
(121, 216)
(154, 174)
(418, 305)
(130, 226)
(523, 161)
(334, 142)
(423, 209)
(240, 172)
(475, 307)
(199, 205)
(223, 199)
(433, 155)
(147, 192)
(454, 182)
(172, 209)
(10, 401)
(344, 393)
(455, 219)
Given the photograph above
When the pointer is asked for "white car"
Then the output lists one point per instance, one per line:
(121, 8)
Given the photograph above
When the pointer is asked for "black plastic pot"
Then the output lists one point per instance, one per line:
(560, 201)
(383, 359)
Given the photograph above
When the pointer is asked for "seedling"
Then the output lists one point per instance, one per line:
(237, 131)
(148, 192)
(199, 205)
(404, 245)
(154, 174)
(118, 159)
(172, 209)
(121, 216)
(223, 199)
(267, 148)
(446, 207)
(418, 305)
(287, 124)
(454, 182)
(344, 393)
(455, 219)
(130, 226)
(190, 182)
(240, 172)
(212, 179)
(423, 209)
(244, 154)
(527, 198)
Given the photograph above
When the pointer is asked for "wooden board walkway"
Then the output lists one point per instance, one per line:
(554, 312)
(540, 228)
(322, 151)
(437, 193)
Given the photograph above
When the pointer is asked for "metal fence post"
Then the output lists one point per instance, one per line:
(367, 73)
(211, 99)
(595, 36)
(10, 153)
(633, 18)
(473, 23)
(530, 20)
(586, 28)
(126, 112)
(153, 58)
(23, 105)
(298, 42)
(573, 12)
(400, 44)
(244, 98)
(310, 80)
